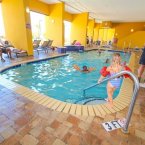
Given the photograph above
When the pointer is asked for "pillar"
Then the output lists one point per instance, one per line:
(55, 25)
(79, 27)
(17, 24)
(90, 28)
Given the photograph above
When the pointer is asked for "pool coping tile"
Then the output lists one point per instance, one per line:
(120, 102)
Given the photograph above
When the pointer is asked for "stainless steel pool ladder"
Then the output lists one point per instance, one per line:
(135, 93)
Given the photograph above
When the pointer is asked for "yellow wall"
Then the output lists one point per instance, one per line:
(79, 28)
(68, 16)
(55, 25)
(15, 20)
(39, 7)
(122, 30)
(133, 40)
(90, 28)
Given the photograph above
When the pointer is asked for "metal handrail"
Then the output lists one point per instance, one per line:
(135, 93)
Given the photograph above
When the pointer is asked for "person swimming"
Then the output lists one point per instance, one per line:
(84, 68)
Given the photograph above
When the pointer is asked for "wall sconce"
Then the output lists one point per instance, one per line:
(116, 34)
(27, 10)
(131, 30)
(52, 21)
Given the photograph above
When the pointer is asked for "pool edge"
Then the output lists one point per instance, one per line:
(120, 102)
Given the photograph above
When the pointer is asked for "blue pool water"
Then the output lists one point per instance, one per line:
(58, 79)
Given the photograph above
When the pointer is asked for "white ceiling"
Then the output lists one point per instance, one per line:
(107, 10)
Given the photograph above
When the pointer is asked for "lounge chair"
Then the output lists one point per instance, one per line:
(49, 46)
(42, 47)
(7, 44)
(19, 52)
(73, 43)
(36, 43)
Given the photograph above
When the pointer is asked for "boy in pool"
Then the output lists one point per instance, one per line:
(113, 84)
(84, 68)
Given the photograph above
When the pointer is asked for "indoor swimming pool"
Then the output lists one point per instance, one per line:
(58, 79)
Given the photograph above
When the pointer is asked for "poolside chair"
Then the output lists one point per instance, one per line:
(36, 43)
(19, 52)
(42, 47)
(7, 44)
(49, 46)
(73, 43)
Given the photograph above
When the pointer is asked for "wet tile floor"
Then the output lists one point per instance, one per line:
(23, 122)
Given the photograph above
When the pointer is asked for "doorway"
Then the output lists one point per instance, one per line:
(38, 25)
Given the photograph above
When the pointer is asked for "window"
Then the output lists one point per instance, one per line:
(38, 25)
(67, 32)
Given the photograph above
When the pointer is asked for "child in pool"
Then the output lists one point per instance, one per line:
(84, 68)
(113, 69)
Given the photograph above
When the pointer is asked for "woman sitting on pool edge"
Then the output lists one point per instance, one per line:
(84, 68)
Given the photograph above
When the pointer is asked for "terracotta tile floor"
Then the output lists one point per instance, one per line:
(23, 122)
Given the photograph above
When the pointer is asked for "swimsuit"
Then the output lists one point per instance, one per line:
(115, 82)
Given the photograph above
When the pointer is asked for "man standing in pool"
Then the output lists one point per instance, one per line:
(85, 69)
